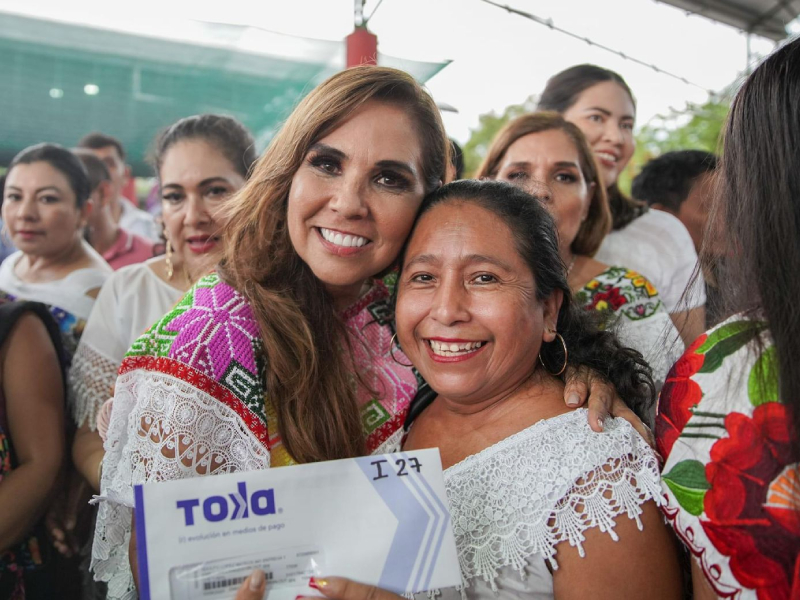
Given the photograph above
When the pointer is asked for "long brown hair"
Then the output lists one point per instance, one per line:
(598, 221)
(309, 369)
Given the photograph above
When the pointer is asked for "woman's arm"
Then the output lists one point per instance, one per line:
(34, 394)
(87, 454)
(641, 564)
(701, 589)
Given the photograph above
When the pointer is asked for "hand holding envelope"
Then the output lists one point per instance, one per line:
(333, 588)
(382, 520)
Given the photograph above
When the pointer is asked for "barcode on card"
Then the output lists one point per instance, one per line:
(219, 584)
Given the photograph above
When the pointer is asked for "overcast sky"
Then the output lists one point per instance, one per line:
(498, 58)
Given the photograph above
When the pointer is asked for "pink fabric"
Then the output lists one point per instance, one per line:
(129, 249)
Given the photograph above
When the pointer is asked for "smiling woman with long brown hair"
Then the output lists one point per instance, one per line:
(285, 354)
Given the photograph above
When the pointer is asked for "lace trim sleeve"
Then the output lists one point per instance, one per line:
(91, 381)
(546, 485)
(161, 429)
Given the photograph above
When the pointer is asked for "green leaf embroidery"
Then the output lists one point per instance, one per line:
(762, 385)
(725, 341)
(688, 482)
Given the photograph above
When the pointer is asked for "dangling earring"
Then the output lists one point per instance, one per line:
(168, 260)
(566, 356)
(391, 353)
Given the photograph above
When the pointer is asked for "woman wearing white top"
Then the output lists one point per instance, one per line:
(200, 161)
(542, 507)
(656, 244)
(44, 212)
(549, 155)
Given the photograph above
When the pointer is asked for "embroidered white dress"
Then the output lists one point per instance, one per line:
(512, 503)
(190, 401)
(132, 299)
(634, 309)
(658, 246)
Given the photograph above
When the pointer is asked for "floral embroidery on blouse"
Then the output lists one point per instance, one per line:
(620, 290)
(731, 486)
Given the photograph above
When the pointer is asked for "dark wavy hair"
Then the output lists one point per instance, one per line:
(536, 240)
(560, 93)
(757, 210)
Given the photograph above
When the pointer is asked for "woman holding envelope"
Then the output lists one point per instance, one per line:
(542, 507)
(285, 354)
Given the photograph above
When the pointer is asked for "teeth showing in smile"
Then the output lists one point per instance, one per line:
(606, 156)
(451, 349)
(348, 241)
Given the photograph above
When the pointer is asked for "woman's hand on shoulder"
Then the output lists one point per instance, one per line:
(335, 588)
(587, 386)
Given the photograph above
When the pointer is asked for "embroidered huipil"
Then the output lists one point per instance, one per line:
(190, 401)
(637, 314)
(731, 486)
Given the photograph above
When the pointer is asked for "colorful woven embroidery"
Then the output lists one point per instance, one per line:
(211, 341)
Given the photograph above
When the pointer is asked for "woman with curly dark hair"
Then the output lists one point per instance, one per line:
(542, 506)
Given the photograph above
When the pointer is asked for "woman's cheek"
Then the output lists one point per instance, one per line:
(406, 321)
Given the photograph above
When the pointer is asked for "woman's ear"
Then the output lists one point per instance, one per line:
(85, 211)
(552, 306)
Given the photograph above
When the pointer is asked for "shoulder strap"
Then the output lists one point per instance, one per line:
(424, 396)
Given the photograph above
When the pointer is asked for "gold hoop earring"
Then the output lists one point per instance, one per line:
(391, 353)
(566, 356)
(168, 260)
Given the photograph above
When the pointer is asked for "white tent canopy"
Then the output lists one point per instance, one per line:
(767, 18)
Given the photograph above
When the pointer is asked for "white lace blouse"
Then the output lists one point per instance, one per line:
(512, 503)
(132, 299)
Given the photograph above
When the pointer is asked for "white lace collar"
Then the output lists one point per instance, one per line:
(544, 485)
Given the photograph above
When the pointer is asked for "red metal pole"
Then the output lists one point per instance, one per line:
(362, 48)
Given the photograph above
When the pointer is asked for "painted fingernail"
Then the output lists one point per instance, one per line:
(317, 584)
(256, 580)
(573, 399)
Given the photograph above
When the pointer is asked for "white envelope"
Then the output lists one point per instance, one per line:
(382, 520)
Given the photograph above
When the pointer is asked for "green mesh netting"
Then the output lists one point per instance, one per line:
(137, 83)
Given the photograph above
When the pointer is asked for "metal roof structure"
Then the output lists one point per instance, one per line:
(767, 18)
(62, 80)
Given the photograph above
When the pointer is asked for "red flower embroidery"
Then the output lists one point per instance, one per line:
(611, 298)
(679, 394)
(764, 552)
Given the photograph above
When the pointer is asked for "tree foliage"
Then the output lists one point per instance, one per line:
(489, 125)
(695, 127)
